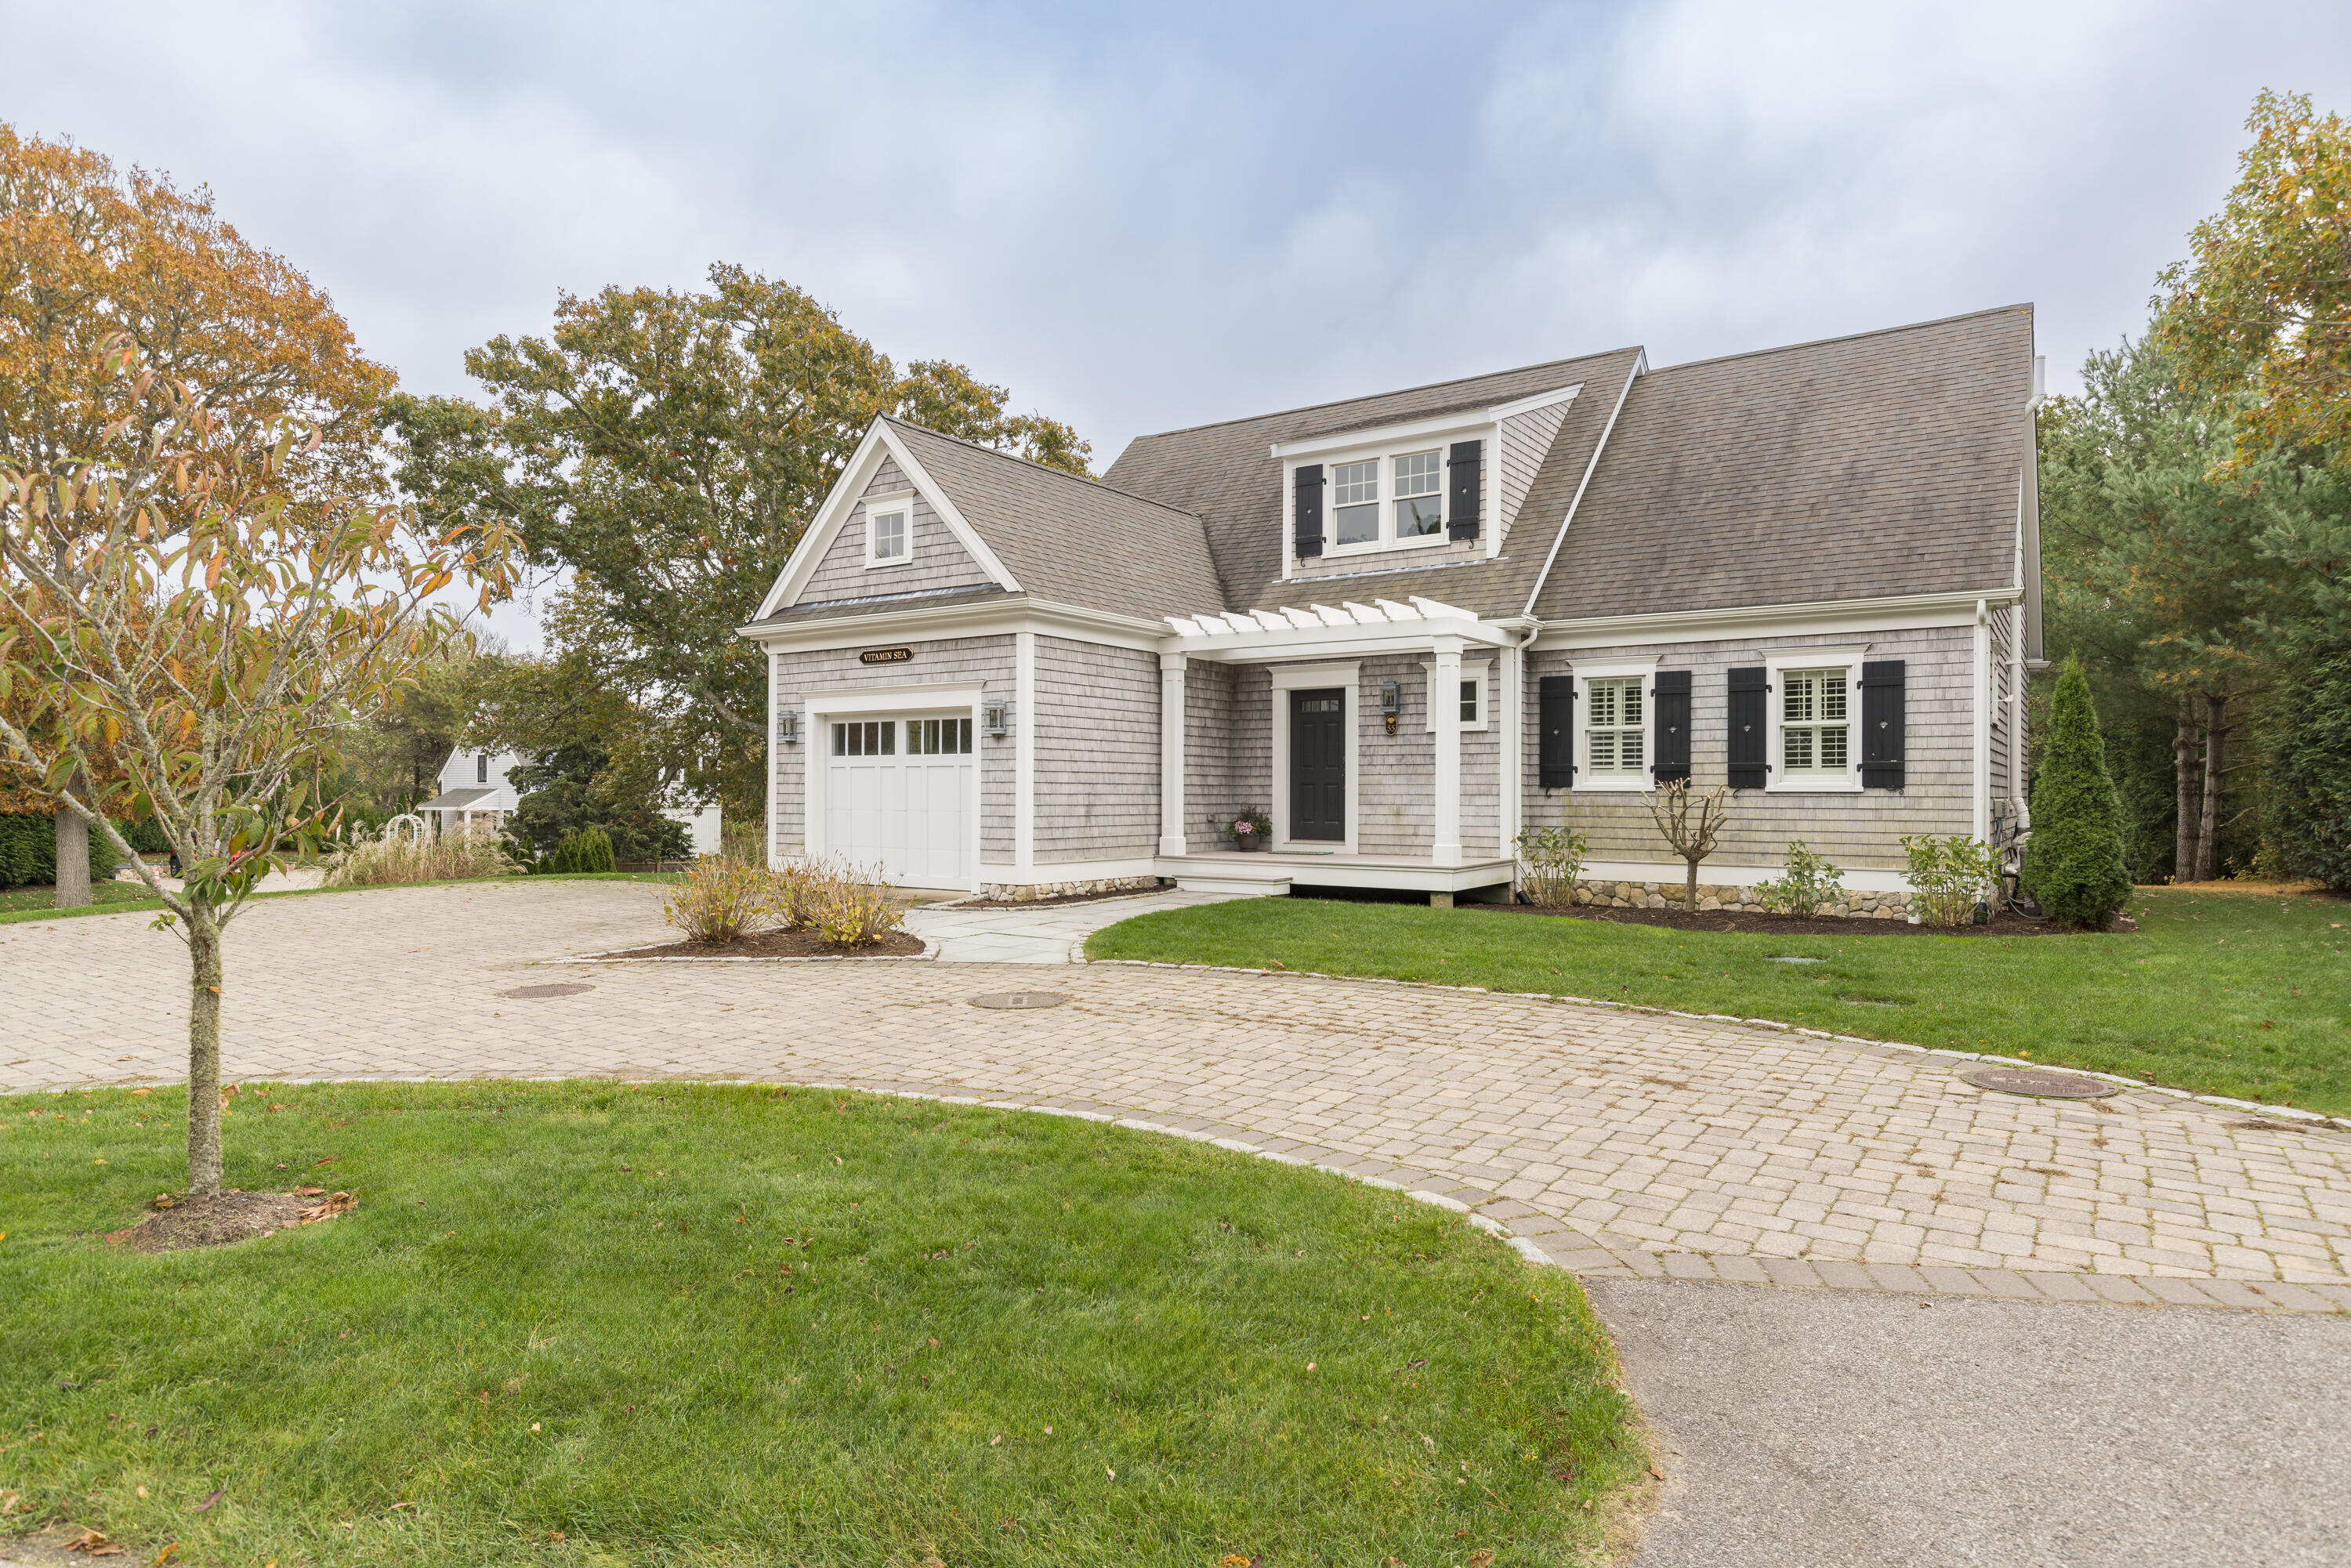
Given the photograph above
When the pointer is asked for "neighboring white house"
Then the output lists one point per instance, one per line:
(472, 787)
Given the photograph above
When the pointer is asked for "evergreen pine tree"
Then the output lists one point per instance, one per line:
(2310, 770)
(2073, 861)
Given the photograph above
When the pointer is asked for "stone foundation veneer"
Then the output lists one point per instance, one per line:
(1022, 892)
(1852, 905)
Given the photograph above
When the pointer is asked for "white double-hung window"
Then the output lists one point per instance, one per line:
(1813, 726)
(889, 532)
(1419, 500)
(1356, 503)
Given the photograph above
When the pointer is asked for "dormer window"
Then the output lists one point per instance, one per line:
(1355, 502)
(1419, 508)
(1361, 493)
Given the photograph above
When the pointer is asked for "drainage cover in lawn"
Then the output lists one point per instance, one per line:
(1019, 1000)
(2040, 1085)
(1793, 960)
(532, 993)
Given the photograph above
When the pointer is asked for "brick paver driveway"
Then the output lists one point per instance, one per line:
(1617, 1141)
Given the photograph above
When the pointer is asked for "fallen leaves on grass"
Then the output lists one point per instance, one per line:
(336, 1203)
(218, 1493)
(95, 1544)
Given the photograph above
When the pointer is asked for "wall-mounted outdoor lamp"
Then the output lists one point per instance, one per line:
(992, 720)
(1391, 703)
(787, 727)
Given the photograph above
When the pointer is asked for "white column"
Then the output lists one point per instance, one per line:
(1171, 754)
(1509, 672)
(1981, 705)
(2017, 749)
(1445, 709)
(1024, 753)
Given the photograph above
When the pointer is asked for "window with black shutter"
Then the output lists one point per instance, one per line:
(1882, 704)
(1750, 740)
(1309, 521)
(1555, 725)
(1670, 698)
(1467, 464)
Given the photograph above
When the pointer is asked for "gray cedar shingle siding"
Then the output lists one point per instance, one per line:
(1862, 468)
(940, 561)
(986, 662)
(1097, 752)
(1396, 795)
(1527, 440)
(1226, 476)
(1210, 800)
(1859, 830)
(1072, 540)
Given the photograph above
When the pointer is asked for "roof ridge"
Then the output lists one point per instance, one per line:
(2025, 306)
(1393, 392)
(1041, 467)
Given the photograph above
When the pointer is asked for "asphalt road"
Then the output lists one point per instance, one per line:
(1825, 1428)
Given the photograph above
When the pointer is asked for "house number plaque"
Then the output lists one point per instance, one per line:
(886, 657)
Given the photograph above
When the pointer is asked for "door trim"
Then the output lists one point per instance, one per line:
(816, 754)
(1287, 678)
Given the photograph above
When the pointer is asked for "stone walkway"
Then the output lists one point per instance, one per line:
(1618, 1143)
(1037, 932)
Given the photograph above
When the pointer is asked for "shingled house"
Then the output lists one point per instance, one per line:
(1408, 625)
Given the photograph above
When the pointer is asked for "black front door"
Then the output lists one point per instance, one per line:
(1318, 765)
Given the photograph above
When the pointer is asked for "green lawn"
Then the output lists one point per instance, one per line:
(680, 1324)
(129, 897)
(2219, 993)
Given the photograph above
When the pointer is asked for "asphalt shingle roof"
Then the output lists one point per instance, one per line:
(1861, 467)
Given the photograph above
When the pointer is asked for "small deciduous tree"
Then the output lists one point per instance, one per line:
(1692, 822)
(2073, 861)
(216, 635)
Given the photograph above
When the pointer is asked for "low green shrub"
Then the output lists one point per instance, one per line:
(586, 850)
(1948, 876)
(1549, 861)
(1808, 883)
(28, 850)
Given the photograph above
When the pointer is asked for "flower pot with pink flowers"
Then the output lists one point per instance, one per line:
(1252, 830)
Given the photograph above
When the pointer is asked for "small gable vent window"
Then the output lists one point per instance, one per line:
(1355, 502)
(888, 536)
(1419, 509)
(482, 769)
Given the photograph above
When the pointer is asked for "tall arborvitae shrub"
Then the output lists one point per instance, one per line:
(2309, 743)
(2073, 862)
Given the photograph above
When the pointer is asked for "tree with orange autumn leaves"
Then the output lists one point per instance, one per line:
(91, 256)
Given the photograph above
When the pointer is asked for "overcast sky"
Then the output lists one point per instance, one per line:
(1143, 217)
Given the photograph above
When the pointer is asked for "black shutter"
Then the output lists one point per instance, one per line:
(1750, 764)
(1461, 505)
(1881, 724)
(1669, 695)
(1309, 511)
(1556, 718)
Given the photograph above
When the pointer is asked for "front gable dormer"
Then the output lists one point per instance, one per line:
(1422, 492)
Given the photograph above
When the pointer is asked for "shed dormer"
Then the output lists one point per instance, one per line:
(1418, 493)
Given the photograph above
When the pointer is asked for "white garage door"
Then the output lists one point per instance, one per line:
(898, 795)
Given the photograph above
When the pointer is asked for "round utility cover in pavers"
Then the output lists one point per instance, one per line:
(2041, 1085)
(531, 993)
(1019, 1000)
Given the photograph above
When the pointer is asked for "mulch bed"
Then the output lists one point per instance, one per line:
(2005, 923)
(229, 1216)
(779, 945)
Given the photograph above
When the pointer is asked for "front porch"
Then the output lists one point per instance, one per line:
(1273, 873)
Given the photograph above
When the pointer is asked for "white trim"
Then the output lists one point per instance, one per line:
(1172, 670)
(996, 617)
(1832, 616)
(1584, 780)
(1779, 659)
(1410, 433)
(841, 504)
(1290, 678)
(1471, 670)
(1673, 873)
(1024, 751)
(1445, 849)
(1510, 781)
(1380, 627)
(817, 710)
(1067, 871)
(775, 758)
(902, 502)
(1383, 450)
(1979, 714)
(1591, 467)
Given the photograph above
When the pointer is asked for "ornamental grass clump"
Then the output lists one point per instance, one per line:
(1806, 885)
(2073, 862)
(721, 899)
(1549, 861)
(399, 855)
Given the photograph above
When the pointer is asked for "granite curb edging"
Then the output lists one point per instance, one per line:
(2306, 1121)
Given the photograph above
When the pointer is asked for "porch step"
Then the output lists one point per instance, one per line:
(1235, 887)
